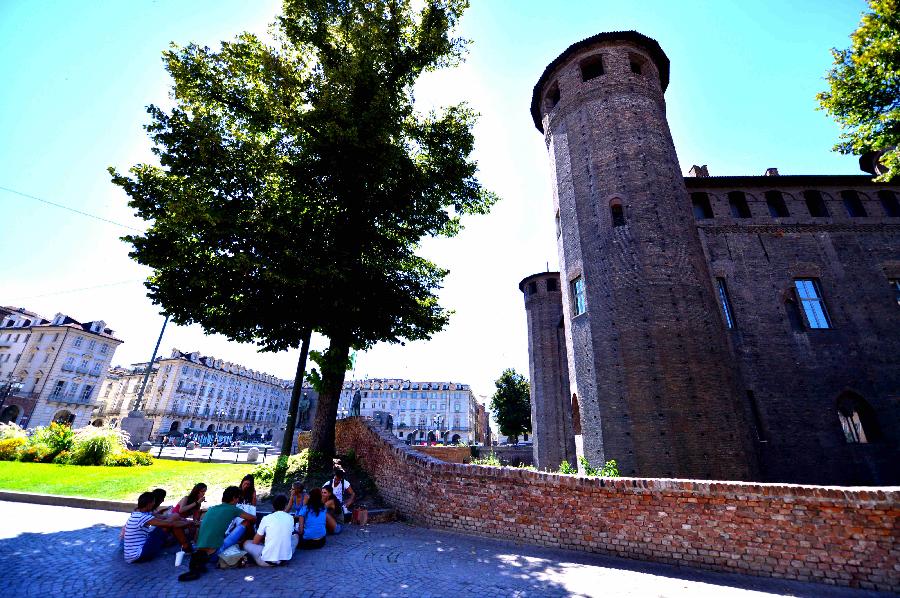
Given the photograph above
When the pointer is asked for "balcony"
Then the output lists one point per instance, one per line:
(69, 399)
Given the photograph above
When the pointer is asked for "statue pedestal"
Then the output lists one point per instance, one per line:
(138, 427)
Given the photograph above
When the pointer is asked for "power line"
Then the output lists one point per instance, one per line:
(99, 286)
(58, 205)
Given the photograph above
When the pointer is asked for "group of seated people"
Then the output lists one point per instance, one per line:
(302, 520)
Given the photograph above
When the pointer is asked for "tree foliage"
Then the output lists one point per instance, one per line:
(864, 87)
(296, 181)
(511, 404)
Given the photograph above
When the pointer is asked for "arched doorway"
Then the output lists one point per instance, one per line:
(174, 427)
(410, 437)
(10, 414)
(432, 437)
(235, 431)
(455, 439)
(64, 417)
(97, 423)
(210, 428)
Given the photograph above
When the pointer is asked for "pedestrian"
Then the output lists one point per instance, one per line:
(341, 489)
(312, 527)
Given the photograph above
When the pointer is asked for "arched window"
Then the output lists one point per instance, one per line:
(775, 202)
(591, 67)
(853, 204)
(889, 203)
(700, 204)
(857, 419)
(637, 63)
(737, 201)
(815, 204)
(552, 96)
(618, 214)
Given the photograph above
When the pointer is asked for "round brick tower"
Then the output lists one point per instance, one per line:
(656, 387)
(551, 405)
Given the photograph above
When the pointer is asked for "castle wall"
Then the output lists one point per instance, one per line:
(796, 374)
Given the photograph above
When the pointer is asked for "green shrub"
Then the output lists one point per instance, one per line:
(93, 446)
(9, 447)
(490, 459)
(51, 440)
(33, 453)
(609, 470)
(142, 458)
(293, 467)
(566, 468)
(12, 430)
(63, 458)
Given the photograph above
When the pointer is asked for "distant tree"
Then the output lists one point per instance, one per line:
(864, 87)
(511, 404)
(296, 182)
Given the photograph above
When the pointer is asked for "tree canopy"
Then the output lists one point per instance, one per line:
(296, 181)
(864, 88)
(511, 404)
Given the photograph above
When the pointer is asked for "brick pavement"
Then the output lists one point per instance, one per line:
(60, 551)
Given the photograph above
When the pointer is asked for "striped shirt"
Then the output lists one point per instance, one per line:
(136, 531)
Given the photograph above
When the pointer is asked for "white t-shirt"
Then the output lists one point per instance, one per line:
(277, 528)
(339, 490)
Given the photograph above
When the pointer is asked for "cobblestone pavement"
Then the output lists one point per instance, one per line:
(66, 552)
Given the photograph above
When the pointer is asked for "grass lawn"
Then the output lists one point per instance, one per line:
(122, 483)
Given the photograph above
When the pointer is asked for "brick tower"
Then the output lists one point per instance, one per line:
(656, 387)
(548, 365)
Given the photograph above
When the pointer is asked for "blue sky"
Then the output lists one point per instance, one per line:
(75, 78)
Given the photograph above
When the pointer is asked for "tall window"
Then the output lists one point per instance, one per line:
(809, 292)
(618, 214)
(78, 341)
(853, 204)
(591, 67)
(895, 284)
(700, 205)
(86, 392)
(815, 204)
(579, 302)
(558, 225)
(723, 299)
(889, 203)
(737, 201)
(58, 389)
(858, 419)
(775, 202)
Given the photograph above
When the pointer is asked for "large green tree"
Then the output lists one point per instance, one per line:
(864, 88)
(295, 183)
(511, 404)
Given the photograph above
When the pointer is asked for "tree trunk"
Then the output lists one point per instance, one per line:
(290, 425)
(333, 372)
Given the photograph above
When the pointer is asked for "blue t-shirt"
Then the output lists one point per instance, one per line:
(314, 525)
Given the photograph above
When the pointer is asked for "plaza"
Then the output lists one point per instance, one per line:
(54, 551)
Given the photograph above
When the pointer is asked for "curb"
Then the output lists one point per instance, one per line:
(57, 500)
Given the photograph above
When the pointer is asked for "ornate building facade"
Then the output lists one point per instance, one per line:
(188, 391)
(421, 411)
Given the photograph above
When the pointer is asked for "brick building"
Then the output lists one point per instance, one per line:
(715, 327)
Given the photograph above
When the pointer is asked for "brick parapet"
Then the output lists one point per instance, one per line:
(833, 535)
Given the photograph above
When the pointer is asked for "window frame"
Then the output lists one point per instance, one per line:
(725, 303)
(579, 301)
(808, 303)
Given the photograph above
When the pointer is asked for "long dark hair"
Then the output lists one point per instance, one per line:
(247, 493)
(315, 503)
(195, 492)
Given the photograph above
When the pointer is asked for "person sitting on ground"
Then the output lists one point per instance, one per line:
(143, 543)
(211, 538)
(333, 506)
(298, 499)
(275, 541)
(159, 495)
(341, 489)
(312, 527)
(189, 506)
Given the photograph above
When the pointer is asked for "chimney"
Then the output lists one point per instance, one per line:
(698, 171)
(771, 172)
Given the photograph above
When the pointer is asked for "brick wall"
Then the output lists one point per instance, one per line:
(838, 536)
(449, 454)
